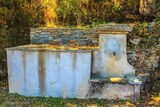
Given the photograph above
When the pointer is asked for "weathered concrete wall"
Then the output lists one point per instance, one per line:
(73, 37)
(42, 73)
(114, 91)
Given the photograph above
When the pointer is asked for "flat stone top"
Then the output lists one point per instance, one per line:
(57, 48)
(112, 27)
(45, 28)
(133, 80)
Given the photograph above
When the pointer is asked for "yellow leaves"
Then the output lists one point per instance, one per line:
(115, 79)
(128, 104)
(92, 105)
(155, 101)
(151, 102)
(70, 105)
(50, 13)
(116, 106)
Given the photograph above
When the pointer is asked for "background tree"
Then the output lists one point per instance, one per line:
(147, 7)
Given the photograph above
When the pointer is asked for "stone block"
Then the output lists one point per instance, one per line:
(114, 91)
(39, 39)
(55, 42)
(72, 42)
(38, 31)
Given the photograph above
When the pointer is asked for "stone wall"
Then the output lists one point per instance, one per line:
(145, 62)
(78, 37)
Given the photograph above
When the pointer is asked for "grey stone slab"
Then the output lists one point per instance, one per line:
(102, 90)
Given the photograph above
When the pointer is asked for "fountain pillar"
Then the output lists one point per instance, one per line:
(112, 42)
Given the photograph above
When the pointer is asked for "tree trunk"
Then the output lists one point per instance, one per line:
(147, 7)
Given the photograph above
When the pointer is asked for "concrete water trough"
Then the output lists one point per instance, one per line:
(44, 70)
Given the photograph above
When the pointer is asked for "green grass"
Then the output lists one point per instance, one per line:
(15, 100)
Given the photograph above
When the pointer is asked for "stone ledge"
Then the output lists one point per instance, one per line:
(57, 48)
(113, 28)
(122, 81)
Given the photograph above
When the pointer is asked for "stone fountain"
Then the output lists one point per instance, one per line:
(45, 69)
(112, 42)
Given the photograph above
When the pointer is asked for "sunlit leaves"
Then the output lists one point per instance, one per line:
(50, 12)
(155, 101)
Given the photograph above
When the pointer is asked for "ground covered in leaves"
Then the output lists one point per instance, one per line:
(15, 100)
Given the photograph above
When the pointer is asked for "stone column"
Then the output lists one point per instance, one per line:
(112, 43)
